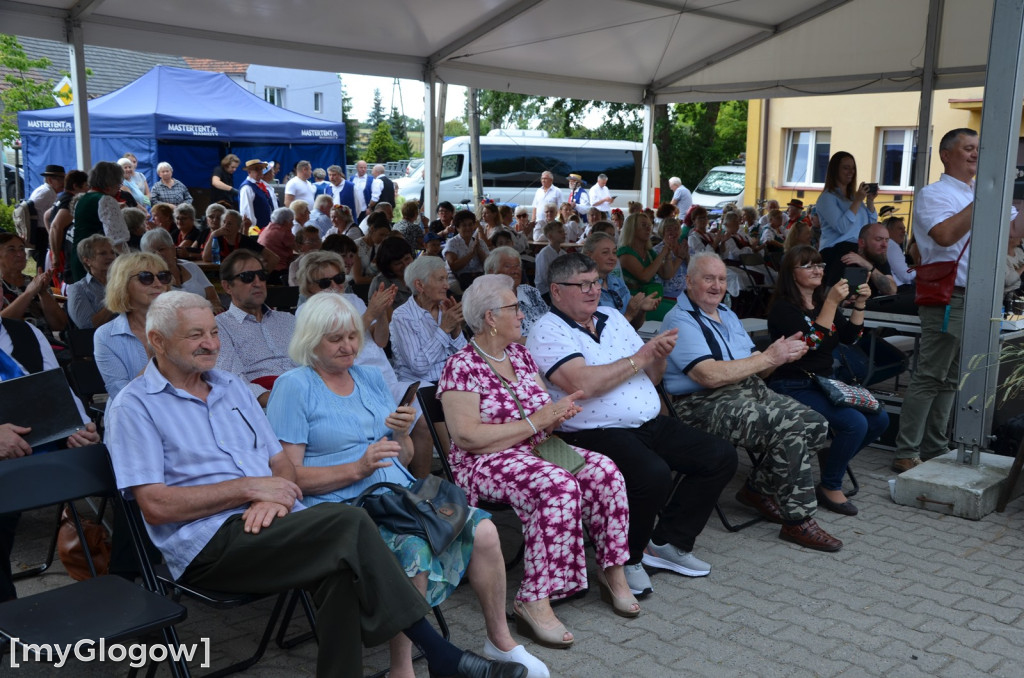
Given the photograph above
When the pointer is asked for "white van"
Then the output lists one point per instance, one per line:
(721, 186)
(513, 161)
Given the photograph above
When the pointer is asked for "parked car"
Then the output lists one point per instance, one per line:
(15, 182)
(720, 186)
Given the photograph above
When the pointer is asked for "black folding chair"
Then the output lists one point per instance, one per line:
(755, 460)
(433, 415)
(102, 607)
(283, 298)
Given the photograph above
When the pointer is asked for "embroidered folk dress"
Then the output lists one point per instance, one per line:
(553, 504)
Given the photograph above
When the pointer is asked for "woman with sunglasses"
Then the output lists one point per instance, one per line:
(133, 282)
(802, 304)
(185, 275)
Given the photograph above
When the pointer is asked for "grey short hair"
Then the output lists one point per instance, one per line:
(482, 296)
(697, 260)
(282, 216)
(675, 180)
(522, 209)
(303, 163)
(603, 176)
(124, 162)
(185, 208)
(420, 270)
(106, 175)
(595, 239)
(155, 240)
(164, 165)
(216, 208)
(337, 169)
(323, 200)
(134, 218)
(493, 260)
(321, 315)
(567, 265)
(310, 264)
(162, 316)
(298, 206)
(319, 174)
(87, 247)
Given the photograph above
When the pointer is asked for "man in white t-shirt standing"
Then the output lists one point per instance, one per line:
(300, 187)
(681, 197)
(547, 193)
(362, 185)
(600, 196)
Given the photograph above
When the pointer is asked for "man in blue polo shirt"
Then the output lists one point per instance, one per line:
(718, 374)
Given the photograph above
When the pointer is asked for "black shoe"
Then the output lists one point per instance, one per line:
(846, 508)
(474, 666)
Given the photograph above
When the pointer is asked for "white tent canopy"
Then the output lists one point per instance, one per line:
(637, 51)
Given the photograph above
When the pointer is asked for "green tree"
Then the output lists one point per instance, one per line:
(703, 135)
(456, 128)
(507, 109)
(351, 127)
(400, 134)
(382, 146)
(377, 112)
(24, 90)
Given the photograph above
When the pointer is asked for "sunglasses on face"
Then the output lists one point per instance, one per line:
(324, 283)
(248, 276)
(147, 278)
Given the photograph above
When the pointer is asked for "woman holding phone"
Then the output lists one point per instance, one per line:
(843, 208)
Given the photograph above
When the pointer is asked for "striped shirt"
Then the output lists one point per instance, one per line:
(418, 343)
(251, 348)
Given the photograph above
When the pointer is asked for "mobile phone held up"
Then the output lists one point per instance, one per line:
(871, 189)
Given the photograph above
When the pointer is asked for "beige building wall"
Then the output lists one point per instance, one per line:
(855, 122)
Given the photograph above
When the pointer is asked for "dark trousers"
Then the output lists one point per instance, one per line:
(8, 524)
(362, 595)
(646, 456)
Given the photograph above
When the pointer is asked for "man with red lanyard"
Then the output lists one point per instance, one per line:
(942, 229)
(254, 199)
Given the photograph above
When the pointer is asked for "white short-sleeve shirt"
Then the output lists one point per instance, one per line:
(556, 339)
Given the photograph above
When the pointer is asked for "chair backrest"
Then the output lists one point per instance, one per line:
(54, 477)
(433, 416)
(282, 298)
(80, 342)
(85, 378)
(751, 259)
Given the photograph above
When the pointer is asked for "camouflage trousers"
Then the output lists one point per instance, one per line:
(751, 415)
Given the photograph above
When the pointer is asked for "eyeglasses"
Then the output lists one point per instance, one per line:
(585, 287)
(516, 306)
(816, 267)
(248, 276)
(324, 283)
(147, 278)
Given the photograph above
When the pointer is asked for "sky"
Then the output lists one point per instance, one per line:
(409, 95)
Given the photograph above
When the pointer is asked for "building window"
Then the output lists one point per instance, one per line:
(897, 157)
(274, 95)
(318, 102)
(807, 153)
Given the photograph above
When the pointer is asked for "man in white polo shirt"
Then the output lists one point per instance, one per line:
(548, 193)
(300, 187)
(580, 346)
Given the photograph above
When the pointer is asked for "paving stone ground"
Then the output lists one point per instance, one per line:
(912, 594)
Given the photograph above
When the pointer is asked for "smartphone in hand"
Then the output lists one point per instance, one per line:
(855, 277)
(410, 394)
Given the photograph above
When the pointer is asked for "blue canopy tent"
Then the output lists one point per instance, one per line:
(190, 119)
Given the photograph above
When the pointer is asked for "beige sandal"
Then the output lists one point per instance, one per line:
(527, 626)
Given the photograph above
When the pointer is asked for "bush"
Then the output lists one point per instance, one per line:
(6, 218)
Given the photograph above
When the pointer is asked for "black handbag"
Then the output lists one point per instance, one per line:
(431, 508)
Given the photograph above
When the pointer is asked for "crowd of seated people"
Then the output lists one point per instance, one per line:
(528, 339)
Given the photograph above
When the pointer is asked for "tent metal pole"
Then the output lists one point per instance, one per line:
(429, 141)
(990, 229)
(475, 168)
(76, 50)
(924, 115)
(645, 174)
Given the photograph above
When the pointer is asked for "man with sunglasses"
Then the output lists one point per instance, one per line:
(254, 338)
(718, 376)
(580, 345)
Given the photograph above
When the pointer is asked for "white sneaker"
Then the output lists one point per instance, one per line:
(668, 557)
(638, 580)
(535, 668)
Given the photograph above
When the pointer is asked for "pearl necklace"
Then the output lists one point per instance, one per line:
(504, 353)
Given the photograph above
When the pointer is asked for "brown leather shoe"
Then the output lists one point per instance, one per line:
(809, 534)
(762, 503)
(901, 465)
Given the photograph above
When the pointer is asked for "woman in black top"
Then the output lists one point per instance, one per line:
(801, 304)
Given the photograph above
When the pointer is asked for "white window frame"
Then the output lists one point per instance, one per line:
(909, 146)
(274, 95)
(318, 102)
(811, 155)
